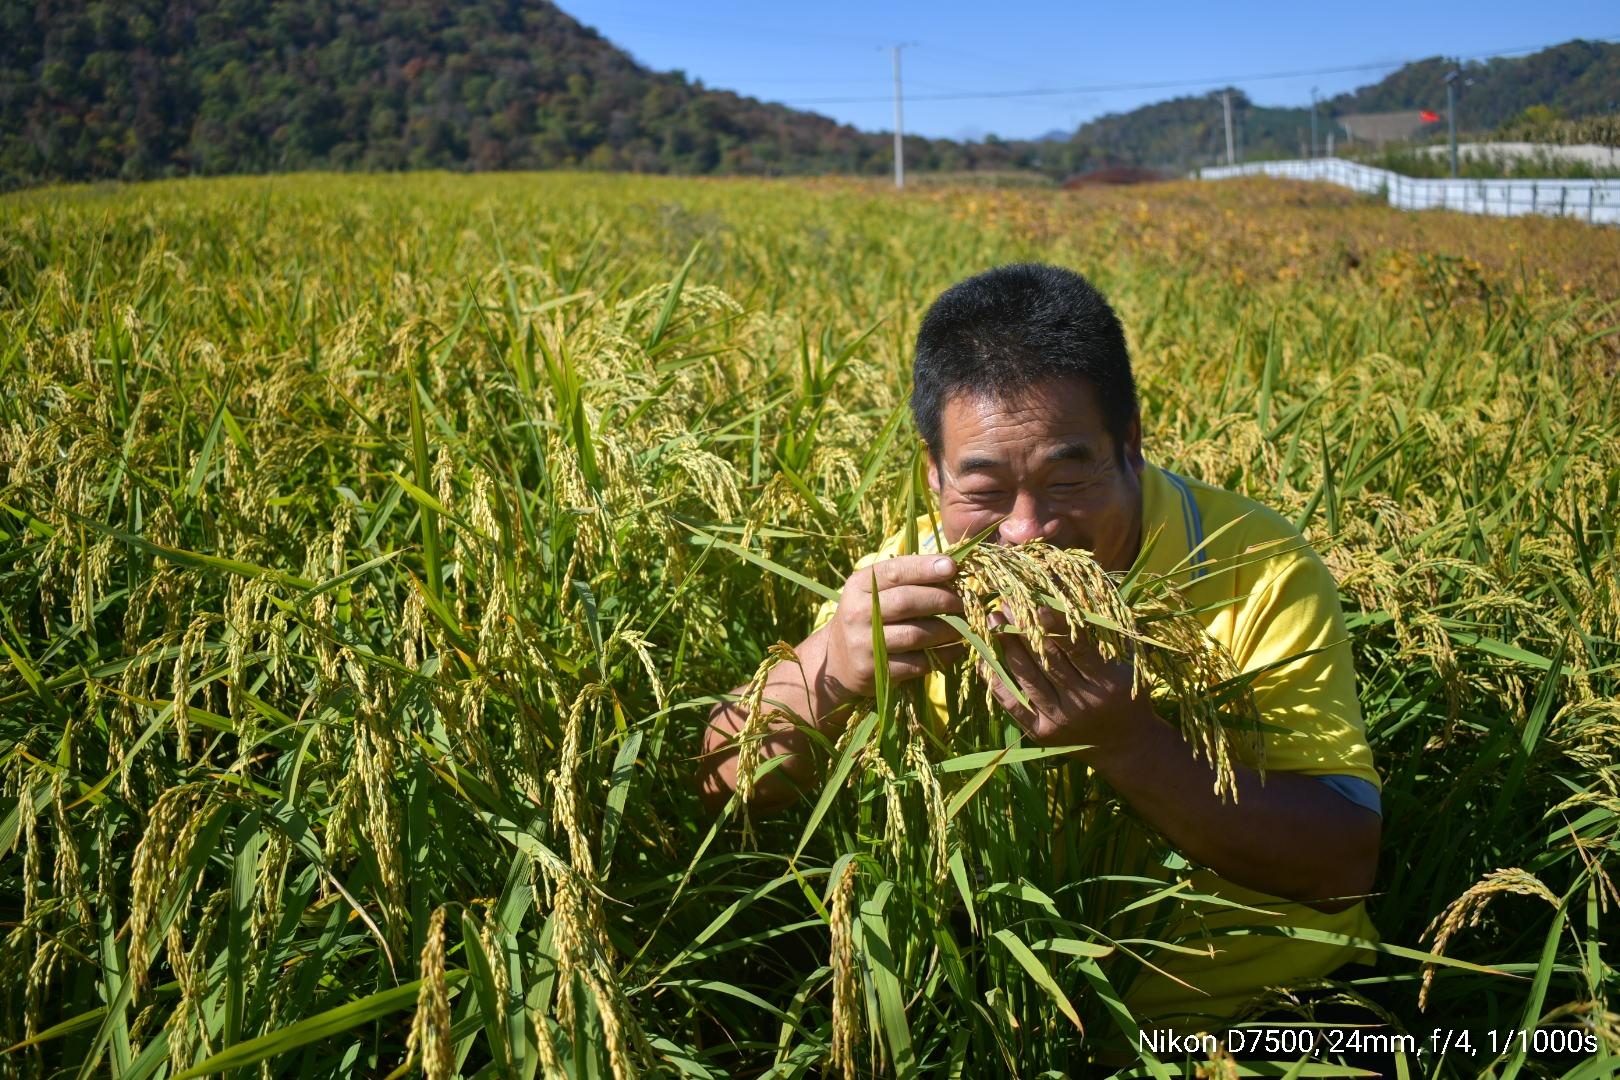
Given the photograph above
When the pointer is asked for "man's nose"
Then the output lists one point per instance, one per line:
(1027, 521)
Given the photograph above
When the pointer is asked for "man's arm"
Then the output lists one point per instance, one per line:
(836, 667)
(803, 690)
(1290, 837)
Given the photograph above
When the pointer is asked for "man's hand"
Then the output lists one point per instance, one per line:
(836, 667)
(912, 592)
(1078, 699)
(1288, 836)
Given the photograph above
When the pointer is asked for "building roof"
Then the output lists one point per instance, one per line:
(1383, 127)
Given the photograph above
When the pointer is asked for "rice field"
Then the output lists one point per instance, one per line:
(371, 550)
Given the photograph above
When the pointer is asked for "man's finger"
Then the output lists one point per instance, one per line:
(913, 570)
(900, 604)
(916, 602)
(906, 666)
(1053, 621)
(914, 634)
(1082, 653)
(1021, 713)
(910, 665)
(1021, 665)
(1068, 665)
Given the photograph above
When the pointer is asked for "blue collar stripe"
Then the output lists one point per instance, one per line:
(1193, 522)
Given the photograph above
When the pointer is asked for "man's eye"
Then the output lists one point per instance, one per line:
(984, 496)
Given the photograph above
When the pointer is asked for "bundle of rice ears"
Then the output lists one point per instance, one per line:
(1192, 679)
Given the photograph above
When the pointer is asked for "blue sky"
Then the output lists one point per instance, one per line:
(808, 54)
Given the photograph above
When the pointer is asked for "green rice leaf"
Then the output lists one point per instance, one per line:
(1037, 971)
(324, 1025)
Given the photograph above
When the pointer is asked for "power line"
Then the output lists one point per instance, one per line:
(1171, 84)
(977, 58)
(959, 90)
(1106, 87)
(772, 80)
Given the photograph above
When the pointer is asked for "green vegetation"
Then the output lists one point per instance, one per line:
(144, 89)
(1580, 78)
(1186, 132)
(1538, 124)
(368, 546)
(1544, 125)
(1432, 160)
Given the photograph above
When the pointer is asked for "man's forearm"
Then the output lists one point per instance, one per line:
(801, 689)
(1290, 837)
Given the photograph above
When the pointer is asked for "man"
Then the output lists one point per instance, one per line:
(1024, 395)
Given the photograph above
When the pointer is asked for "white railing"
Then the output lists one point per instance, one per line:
(1597, 201)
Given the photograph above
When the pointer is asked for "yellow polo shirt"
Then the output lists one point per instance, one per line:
(1267, 597)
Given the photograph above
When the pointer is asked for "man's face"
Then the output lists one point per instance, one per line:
(1042, 463)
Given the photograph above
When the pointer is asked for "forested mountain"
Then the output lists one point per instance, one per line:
(144, 88)
(1188, 131)
(1577, 78)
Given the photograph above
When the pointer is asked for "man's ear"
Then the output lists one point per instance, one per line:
(1133, 445)
(933, 471)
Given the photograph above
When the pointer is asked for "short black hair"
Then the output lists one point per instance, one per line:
(1012, 328)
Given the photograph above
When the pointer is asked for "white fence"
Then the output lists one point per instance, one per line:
(1596, 201)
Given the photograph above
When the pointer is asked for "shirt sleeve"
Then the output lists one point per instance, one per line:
(1364, 793)
(1291, 628)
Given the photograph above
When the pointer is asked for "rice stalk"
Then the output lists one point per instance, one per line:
(1187, 673)
(848, 1004)
(429, 1044)
(214, 387)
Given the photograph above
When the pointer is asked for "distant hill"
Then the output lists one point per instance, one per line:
(1188, 131)
(146, 88)
(1579, 78)
(143, 88)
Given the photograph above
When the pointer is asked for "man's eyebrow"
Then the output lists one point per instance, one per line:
(1072, 452)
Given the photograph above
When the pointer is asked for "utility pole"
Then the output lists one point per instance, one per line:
(1313, 123)
(1226, 109)
(1451, 114)
(899, 120)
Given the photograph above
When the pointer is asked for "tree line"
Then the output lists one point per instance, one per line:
(141, 89)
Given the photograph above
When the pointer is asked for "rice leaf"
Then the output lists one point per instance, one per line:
(1037, 971)
(324, 1025)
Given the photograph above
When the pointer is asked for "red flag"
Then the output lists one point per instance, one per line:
(1429, 117)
